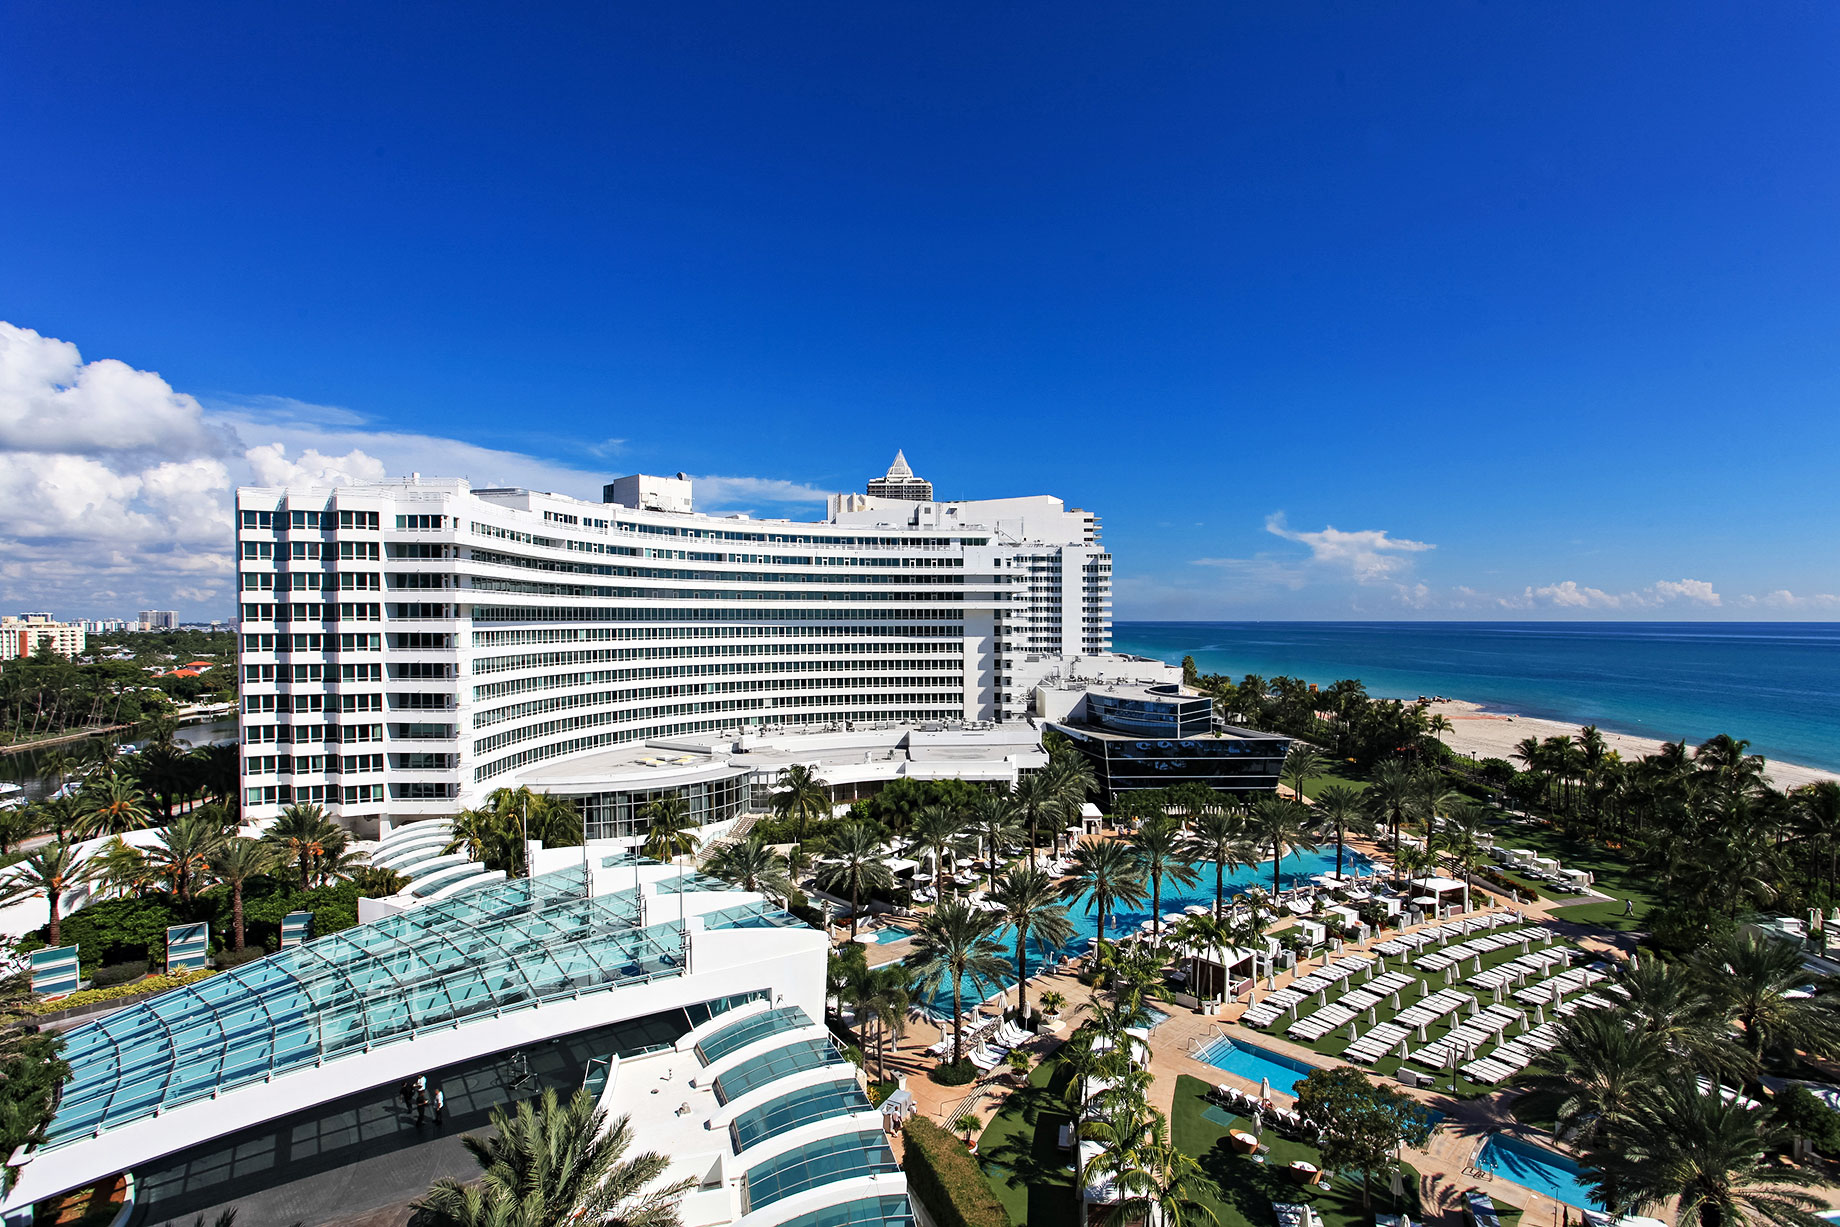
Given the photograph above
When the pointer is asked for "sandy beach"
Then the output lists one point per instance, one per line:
(1489, 734)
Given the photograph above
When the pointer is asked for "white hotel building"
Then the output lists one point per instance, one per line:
(408, 647)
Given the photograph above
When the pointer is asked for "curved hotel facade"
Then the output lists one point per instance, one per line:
(408, 647)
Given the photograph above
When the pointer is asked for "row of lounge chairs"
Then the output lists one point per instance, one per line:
(998, 1044)
(1286, 1122)
(1489, 943)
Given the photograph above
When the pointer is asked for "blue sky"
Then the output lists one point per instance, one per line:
(1440, 310)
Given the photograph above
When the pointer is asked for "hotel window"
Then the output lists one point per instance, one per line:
(358, 519)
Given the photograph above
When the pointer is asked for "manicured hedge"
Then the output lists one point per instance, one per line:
(944, 1176)
(139, 988)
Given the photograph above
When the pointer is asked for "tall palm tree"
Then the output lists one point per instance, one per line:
(1036, 796)
(1027, 899)
(751, 864)
(1109, 870)
(1162, 851)
(672, 832)
(182, 852)
(855, 866)
(236, 862)
(1339, 808)
(121, 869)
(881, 998)
(1205, 933)
(49, 870)
(304, 837)
(1391, 797)
(553, 1162)
(1164, 1183)
(939, 830)
(114, 807)
(1070, 782)
(1603, 1070)
(954, 945)
(1438, 725)
(802, 797)
(1220, 837)
(1283, 826)
(1752, 978)
(1667, 1001)
(992, 819)
(1301, 762)
(1710, 1154)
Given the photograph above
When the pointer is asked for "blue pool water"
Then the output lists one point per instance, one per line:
(1544, 1171)
(1298, 868)
(889, 933)
(1253, 1063)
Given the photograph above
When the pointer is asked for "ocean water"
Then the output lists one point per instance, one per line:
(1774, 684)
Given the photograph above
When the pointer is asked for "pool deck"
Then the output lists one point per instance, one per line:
(1444, 1164)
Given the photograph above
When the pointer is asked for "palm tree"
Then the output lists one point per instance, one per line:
(114, 807)
(993, 820)
(1027, 899)
(1339, 806)
(1109, 870)
(954, 944)
(556, 1162)
(1220, 837)
(1283, 826)
(182, 852)
(1391, 797)
(855, 866)
(1207, 932)
(1752, 978)
(672, 831)
(304, 837)
(751, 864)
(1300, 764)
(234, 864)
(1666, 1000)
(1162, 851)
(1603, 1070)
(1438, 725)
(881, 998)
(120, 869)
(1035, 795)
(1070, 782)
(1710, 1154)
(802, 797)
(488, 837)
(940, 831)
(50, 870)
(1163, 1183)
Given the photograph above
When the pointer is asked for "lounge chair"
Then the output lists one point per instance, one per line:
(1479, 1209)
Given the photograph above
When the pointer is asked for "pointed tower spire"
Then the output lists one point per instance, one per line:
(900, 483)
(899, 470)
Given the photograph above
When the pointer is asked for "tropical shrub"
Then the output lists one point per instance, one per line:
(944, 1176)
(139, 988)
(948, 1073)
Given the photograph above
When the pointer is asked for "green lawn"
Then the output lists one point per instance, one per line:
(1020, 1155)
(1603, 915)
(1341, 774)
(1245, 1190)
(1613, 875)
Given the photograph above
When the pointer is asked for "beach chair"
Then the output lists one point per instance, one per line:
(1479, 1209)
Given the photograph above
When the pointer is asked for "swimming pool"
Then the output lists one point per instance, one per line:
(1254, 1064)
(1534, 1167)
(890, 933)
(1297, 868)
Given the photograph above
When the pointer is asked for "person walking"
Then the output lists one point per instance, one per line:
(440, 1106)
(421, 1108)
(1629, 907)
(408, 1094)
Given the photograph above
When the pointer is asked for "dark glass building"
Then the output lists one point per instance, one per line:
(1139, 737)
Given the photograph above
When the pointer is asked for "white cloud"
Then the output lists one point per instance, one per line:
(1698, 591)
(1782, 598)
(1368, 556)
(1570, 594)
(115, 489)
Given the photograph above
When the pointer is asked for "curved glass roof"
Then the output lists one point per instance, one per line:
(824, 1161)
(738, 1035)
(884, 1211)
(473, 955)
(795, 1058)
(796, 1108)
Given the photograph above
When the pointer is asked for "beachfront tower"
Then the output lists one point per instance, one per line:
(900, 483)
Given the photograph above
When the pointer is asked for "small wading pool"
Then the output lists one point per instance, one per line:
(1253, 1063)
(1546, 1172)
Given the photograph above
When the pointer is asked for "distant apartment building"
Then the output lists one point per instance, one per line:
(408, 647)
(900, 483)
(159, 619)
(25, 634)
(107, 626)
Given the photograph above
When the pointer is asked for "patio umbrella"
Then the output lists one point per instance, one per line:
(1423, 1038)
(1353, 1034)
(1395, 1000)
(1373, 1016)
(1264, 1090)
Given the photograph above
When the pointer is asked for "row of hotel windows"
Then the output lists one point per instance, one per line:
(556, 681)
(314, 734)
(359, 641)
(350, 794)
(548, 728)
(319, 520)
(603, 634)
(533, 707)
(314, 551)
(526, 587)
(554, 749)
(418, 671)
(643, 612)
(314, 764)
(489, 558)
(313, 581)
